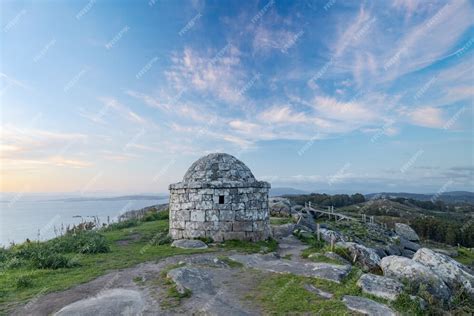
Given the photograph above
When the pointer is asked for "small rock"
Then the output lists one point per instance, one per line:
(393, 250)
(328, 235)
(402, 268)
(189, 244)
(405, 243)
(366, 257)
(407, 253)
(193, 279)
(366, 306)
(318, 292)
(453, 273)
(380, 286)
(406, 231)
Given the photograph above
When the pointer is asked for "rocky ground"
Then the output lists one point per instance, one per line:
(210, 283)
(379, 272)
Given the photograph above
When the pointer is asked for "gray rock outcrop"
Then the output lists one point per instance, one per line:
(403, 230)
(380, 286)
(453, 273)
(109, 302)
(366, 306)
(404, 269)
(368, 259)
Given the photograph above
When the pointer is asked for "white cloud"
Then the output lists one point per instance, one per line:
(219, 77)
(427, 117)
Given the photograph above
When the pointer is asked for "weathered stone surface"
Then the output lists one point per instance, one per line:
(366, 306)
(331, 272)
(403, 230)
(189, 244)
(192, 279)
(453, 273)
(402, 268)
(217, 189)
(380, 286)
(285, 230)
(453, 253)
(327, 235)
(335, 256)
(405, 243)
(366, 257)
(109, 302)
(279, 206)
(318, 292)
(393, 250)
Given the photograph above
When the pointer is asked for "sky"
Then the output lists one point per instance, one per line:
(325, 96)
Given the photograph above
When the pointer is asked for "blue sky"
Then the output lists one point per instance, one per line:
(334, 96)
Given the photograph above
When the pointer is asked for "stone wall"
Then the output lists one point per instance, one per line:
(196, 212)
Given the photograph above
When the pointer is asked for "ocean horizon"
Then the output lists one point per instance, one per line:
(43, 219)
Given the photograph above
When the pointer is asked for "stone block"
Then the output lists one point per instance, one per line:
(212, 216)
(198, 215)
(242, 226)
(226, 215)
(235, 235)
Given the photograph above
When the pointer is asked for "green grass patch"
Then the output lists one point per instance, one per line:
(281, 220)
(466, 256)
(264, 246)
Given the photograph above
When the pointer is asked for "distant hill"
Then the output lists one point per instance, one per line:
(447, 197)
(286, 191)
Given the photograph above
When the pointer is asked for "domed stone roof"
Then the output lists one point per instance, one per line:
(218, 167)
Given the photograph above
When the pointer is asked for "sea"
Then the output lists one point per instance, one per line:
(43, 219)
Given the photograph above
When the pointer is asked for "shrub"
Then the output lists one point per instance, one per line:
(82, 242)
(24, 281)
(155, 216)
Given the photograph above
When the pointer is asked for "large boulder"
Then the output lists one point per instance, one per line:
(404, 269)
(367, 306)
(380, 286)
(453, 273)
(368, 259)
(405, 231)
(280, 207)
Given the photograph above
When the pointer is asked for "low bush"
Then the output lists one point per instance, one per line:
(24, 281)
(155, 216)
(82, 242)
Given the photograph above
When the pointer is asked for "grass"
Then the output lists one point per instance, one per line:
(466, 256)
(281, 220)
(250, 247)
(21, 279)
(282, 294)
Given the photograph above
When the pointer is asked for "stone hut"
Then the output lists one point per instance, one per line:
(219, 198)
